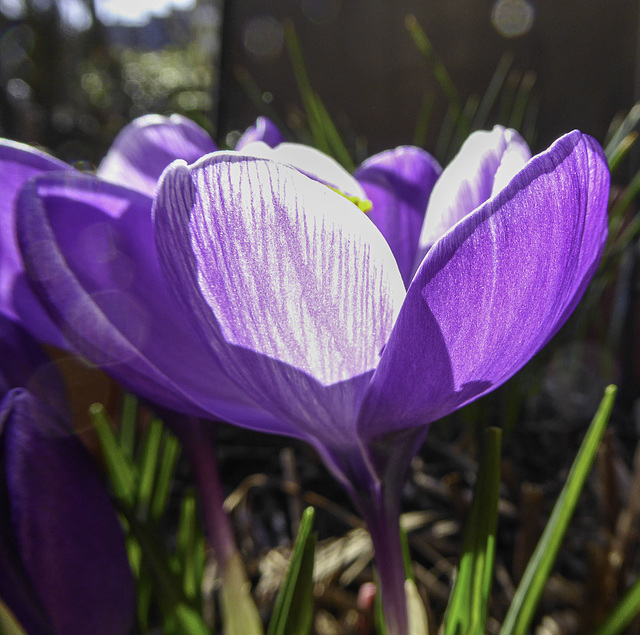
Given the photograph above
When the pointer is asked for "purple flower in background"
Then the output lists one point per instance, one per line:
(300, 315)
(63, 564)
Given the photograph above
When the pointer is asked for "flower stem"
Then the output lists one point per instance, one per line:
(239, 612)
(382, 513)
(199, 442)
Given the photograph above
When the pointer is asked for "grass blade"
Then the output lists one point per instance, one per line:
(422, 123)
(128, 425)
(190, 547)
(469, 604)
(121, 470)
(172, 601)
(148, 467)
(490, 96)
(627, 126)
(622, 614)
(162, 488)
(533, 581)
(437, 67)
(293, 612)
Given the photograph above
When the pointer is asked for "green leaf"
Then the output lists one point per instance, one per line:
(527, 596)
(162, 488)
(490, 96)
(128, 425)
(324, 132)
(625, 129)
(378, 612)
(190, 546)
(422, 123)
(622, 614)
(148, 467)
(120, 468)
(437, 67)
(293, 612)
(406, 554)
(172, 601)
(621, 150)
(469, 603)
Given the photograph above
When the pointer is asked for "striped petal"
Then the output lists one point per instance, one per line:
(493, 291)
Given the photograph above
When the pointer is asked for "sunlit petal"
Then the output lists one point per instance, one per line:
(146, 146)
(493, 291)
(486, 162)
(292, 286)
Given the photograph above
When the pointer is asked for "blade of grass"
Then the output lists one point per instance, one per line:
(490, 96)
(406, 555)
(304, 86)
(422, 123)
(378, 613)
(621, 150)
(621, 241)
(469, 603)
(437, 67)
(339, 149)
(324, 132)
(527, 596)
(508, 96)
(622, 614)
(128, 425)
(121, 470)
(443, 149)
(148, 468)
(521, 100)
(628, 125)
(172, 601)
(170, 454)
(293, 611)
(188, 544)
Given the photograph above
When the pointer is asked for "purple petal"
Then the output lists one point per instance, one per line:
(65, 528)
(485, 164)
(18, 163)
(398, 183)
(90, 254)
(264, 130)
(20, 356)
(292, 286)
(146, 146)
(495, 289)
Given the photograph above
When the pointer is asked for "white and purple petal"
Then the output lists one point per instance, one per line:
(493, 291)
(291, 285)
(399, 183)
(146, 146)
(485, 164)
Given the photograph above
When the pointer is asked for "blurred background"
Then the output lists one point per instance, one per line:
(73, 72)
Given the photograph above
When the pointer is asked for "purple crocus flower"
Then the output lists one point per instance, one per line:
(293, 314)
(63, 564)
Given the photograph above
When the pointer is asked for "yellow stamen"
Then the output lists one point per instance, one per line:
(363, 204)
